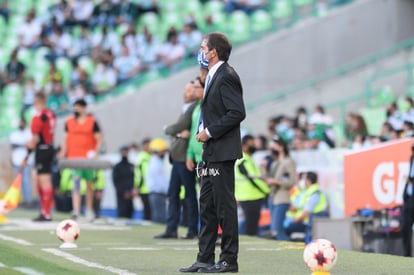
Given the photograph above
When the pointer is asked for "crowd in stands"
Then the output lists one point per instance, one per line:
(315, 130)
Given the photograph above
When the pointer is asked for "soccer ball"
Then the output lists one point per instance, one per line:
(320, 255)
(67, 231)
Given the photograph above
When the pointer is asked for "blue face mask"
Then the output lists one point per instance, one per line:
(201, 59)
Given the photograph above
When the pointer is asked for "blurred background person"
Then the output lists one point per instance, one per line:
(157, 179)
(123, 179)
(18, 140)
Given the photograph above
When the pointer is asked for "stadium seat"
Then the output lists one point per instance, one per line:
(151, 20)
(382, 97)
(239, 27)
(282, 11)
(64, 66)
(261, 21)
(86, 63)
(213, 6)
(374, 118)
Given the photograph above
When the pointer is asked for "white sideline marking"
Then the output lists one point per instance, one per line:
(16, 240)
(78, 260)
(135, 248)
(2, 265)
(28, 271)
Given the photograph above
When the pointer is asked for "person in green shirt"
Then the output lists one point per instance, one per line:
(58, 100)
(195, 148)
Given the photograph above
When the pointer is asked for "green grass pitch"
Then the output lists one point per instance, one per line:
(32, 248)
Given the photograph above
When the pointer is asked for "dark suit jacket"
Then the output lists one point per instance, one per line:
(178, 147)
(223, 110)
(409, 200)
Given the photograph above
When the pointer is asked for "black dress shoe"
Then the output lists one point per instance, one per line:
(220, 267)
(189, 236)
(42, 218)
(194, 267)
(166, 235)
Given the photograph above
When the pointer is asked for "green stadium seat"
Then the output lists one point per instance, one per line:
(25, 56)
(151, 20)
(239, 26)
(213, 6)
(382, 97)
(282, 11)
(64, 66)
(261, 21)
(86, 63)
(374, 118)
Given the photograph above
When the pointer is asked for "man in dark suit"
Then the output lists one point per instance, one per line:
(180, 175)
(222, 111)
(408, 209)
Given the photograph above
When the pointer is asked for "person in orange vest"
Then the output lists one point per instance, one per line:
(83, 139)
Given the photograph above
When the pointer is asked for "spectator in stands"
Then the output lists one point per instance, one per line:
(58, 100)
(284, 129)
(29, 90)
(301, 118)
(59, 43)
(80, 12)
(126, 65)
(386, 131)
(29, 32)
(271, 126)
(407, 129)
(409, 110)
(394, 117)
(316, 137)
(60, 12)
(280, 178)
(313, 203)
(14, 69)
(360, 142)
(104, 78)
(319, 116)
(81, 46)
(147, 6)
(123, 179)
(4, 10)
(18, 140)
(172, 52)
(299, 141)
(191, 38)
(51, 76)
(248, 6)
(103, 14)
(355, 125)
(125, 12)
(78, 75)
(131, 40)
(105, 40)
(157, 180)
(149, 50)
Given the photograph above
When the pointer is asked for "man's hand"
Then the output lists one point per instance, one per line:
(185, 134)
(202, 136)
(190, 164)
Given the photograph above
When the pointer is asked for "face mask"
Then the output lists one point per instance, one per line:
(251, 150)
(302, 184)
(275, 152)
(201, 59)
(76, 114)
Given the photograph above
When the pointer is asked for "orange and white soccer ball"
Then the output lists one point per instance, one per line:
(320, 255)
(67, 231)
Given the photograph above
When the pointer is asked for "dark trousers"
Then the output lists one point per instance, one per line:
(218, 207)
(124, 206)
(407, 224)
(180, 175)
(147, 206)
(251, 210)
